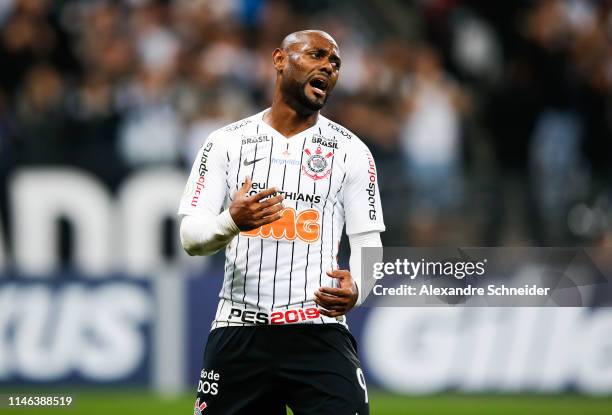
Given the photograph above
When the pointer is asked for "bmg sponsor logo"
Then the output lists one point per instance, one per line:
(292, 224)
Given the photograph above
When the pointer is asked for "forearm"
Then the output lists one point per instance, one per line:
(207, 233)
(358, 241)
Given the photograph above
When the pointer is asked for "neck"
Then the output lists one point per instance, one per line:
(286, 119)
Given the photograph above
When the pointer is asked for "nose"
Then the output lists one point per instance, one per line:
(327, 67)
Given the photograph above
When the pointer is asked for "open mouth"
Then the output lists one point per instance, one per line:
(319, 85)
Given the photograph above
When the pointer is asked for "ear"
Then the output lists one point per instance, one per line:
(279, 58)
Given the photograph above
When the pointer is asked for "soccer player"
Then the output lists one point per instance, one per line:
(275, 190)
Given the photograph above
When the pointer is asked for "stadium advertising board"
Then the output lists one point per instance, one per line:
(71, 329)
(124, 311)
(111, 311)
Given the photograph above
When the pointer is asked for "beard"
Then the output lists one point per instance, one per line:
(296, 92)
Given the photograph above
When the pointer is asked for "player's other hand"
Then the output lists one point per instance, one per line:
(336, 302)
(251, 212)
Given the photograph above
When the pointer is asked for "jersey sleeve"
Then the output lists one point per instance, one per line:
(206, 188)
(362, 207)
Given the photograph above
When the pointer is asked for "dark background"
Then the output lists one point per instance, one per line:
(490, 122)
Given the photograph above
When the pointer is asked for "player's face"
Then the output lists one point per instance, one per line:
(312, 71)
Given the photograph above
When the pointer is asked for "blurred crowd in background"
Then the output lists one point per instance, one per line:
(491, 122)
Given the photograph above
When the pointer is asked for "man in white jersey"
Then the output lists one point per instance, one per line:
(276, 190)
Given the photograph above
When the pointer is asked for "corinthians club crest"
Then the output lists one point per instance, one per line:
(199, 407)
(317, 165)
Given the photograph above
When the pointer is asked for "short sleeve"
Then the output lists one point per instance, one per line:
(362, 207)
(206, 188)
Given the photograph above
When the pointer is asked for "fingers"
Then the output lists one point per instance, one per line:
(268, 219)
(342, 278)
(264, 213)
(336, 292)
(331, 307)
(245, 186)
(264, 193)
(250, 212)
(336, 301)
(268, 209)
(272, 201)
(338, 273)
(332, 302)
(338, 307)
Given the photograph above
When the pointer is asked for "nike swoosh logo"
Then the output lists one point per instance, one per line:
(248, 163)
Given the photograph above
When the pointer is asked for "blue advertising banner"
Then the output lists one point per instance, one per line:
(68, 329)
(417, 350)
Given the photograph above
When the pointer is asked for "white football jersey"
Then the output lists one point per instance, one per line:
(328, 179)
